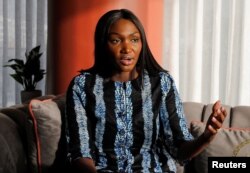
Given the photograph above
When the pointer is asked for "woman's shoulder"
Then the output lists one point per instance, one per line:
(164, 75)
(166, 79)
(165, 82)
(158, 76)
(83, 76)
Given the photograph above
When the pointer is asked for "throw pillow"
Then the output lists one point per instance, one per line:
(44, 130)
(230, 142)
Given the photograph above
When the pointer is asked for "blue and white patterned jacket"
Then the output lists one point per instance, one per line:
(124, 127)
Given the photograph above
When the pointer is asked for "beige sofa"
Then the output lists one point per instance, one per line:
(232, 140)
(32, 140)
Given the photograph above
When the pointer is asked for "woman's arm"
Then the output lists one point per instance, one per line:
(190, 149)
(80, 140)
(179, 132)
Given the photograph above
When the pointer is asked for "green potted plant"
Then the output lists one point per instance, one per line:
(28, 73)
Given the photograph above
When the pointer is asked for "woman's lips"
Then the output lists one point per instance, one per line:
(126, 61)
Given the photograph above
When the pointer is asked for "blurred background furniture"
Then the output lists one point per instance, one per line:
(20, 130)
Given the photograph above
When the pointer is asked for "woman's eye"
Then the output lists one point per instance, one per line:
(135, 40)
(114, 41)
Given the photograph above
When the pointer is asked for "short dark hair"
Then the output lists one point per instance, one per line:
(103, 64)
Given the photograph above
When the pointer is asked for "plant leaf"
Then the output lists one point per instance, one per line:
(17, 61)
(18, 78)
(15, 67)
(36, 49)
(28, 73)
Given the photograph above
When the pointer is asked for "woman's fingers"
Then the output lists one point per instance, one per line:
(216, 105)
(212, 130)
(224, 113)
(216, 123)
(217, 118)
(220, 114)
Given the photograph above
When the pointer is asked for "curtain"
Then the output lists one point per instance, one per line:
(206, 49)
(23, 25)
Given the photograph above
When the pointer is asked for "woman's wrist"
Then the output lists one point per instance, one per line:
(206, 137)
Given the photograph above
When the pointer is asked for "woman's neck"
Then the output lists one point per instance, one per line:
(125, 76)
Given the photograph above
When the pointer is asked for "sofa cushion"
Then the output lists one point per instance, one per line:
(12, 156)
(43, 132)
(61, 163)
(240, 116)
(193, 111)
(227, 142)
(7, 164)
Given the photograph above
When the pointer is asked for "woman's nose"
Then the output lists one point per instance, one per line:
(126, 47)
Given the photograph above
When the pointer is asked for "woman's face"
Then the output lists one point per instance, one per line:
(124, 44)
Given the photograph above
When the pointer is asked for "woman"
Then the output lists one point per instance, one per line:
(124, 114)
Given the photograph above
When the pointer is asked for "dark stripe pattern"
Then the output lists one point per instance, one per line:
(123, 127)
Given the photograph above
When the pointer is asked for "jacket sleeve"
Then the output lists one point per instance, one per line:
(173, 121)
(78, 125)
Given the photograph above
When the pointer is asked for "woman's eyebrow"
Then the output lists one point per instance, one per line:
(116, 33)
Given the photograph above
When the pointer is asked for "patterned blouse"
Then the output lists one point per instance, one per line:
(124, 127)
